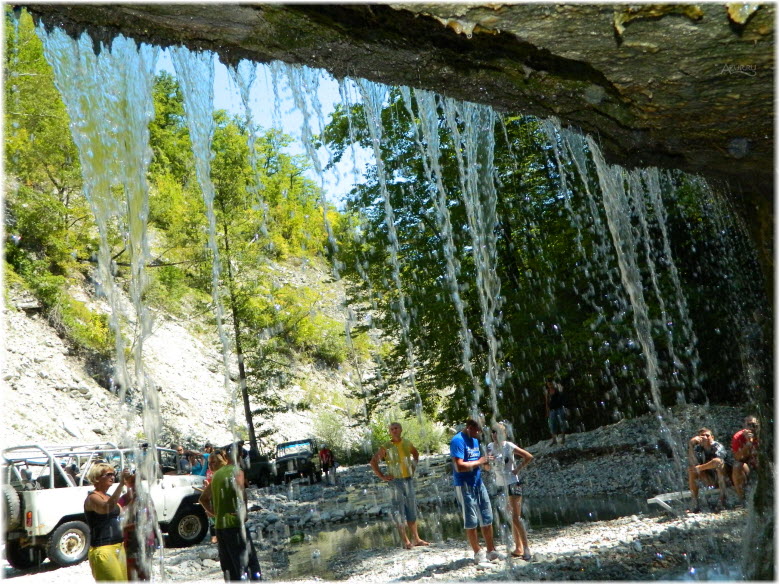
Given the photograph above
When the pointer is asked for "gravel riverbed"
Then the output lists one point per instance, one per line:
(632, 458)
(639, 547)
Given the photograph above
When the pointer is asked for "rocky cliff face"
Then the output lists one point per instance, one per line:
(50, 395)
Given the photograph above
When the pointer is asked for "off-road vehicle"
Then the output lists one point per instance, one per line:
(298, 459)
(44, 488)
(262, 471)
(258, 469)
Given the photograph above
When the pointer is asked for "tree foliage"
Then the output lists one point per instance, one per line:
(564, 311)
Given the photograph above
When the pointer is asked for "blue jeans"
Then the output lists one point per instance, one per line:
(475, 505)
(404, 500)
(557, 421)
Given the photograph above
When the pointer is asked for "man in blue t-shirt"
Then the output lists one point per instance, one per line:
(471, 492)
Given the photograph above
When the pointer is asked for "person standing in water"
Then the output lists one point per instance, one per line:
(470, 491)
(501, 454)
(401, 457)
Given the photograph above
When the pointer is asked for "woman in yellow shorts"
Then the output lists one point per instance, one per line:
(106, 553)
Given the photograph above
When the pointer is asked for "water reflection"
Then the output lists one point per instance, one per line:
(309, 554)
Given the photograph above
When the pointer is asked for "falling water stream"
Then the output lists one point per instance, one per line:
(427, 138)
(479, 197)
(243, 75)
(110, 128)
(373, 98)
(111, 131)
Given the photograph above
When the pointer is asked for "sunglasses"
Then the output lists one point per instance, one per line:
(108, 475)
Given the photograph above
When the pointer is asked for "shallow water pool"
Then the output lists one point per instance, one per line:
(310, 556)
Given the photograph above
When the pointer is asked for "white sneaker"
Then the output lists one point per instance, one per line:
(494, 555)
(480, 557)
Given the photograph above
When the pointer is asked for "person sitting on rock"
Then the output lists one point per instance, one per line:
(709, 462)
(744, 446)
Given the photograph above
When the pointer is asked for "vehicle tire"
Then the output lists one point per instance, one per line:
(69, 544)
(23, 558)
(188, 526)
(13, 508)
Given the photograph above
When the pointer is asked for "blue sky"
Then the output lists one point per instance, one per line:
(337, 182)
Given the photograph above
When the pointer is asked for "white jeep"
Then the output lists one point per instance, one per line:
(44, 488)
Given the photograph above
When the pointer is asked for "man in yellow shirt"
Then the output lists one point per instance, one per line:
(401, 458)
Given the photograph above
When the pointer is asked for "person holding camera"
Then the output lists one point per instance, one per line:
(709, 462)
(106, 551)
(139, 528)
(501, 455)
(744, 446)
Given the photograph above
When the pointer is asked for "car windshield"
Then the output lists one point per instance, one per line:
(295, 448)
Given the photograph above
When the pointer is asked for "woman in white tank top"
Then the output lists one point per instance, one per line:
(501, 454)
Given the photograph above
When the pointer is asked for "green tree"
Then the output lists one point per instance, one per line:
(47, 220)
(45, 211)
(272, 326)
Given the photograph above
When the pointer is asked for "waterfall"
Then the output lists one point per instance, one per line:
(373, 99)
(243, 75)
(110, 129)
(427, 138)
(304, 82)
(479, 197)
(619, 217)
(196, 75)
